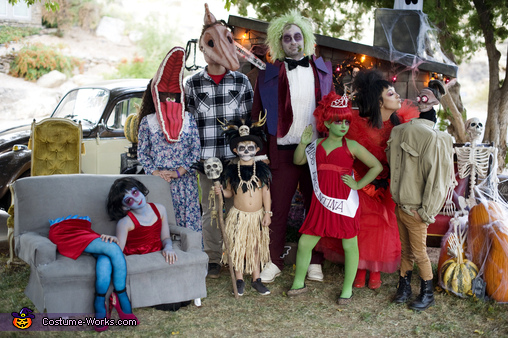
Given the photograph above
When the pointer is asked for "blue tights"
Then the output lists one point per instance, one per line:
(110, 261)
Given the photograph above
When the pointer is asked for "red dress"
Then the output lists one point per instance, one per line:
(72, 236)
(144, 239)
(320, 221)
(378, 239)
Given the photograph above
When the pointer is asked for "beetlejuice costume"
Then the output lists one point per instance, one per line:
(208, 99)
(289, 96)
(168, 140)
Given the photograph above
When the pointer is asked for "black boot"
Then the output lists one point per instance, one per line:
(403, 289)
(426, 297)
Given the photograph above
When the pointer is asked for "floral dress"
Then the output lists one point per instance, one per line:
(155, 153)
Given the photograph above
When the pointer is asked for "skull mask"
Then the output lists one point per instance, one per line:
(474, 129)
(246, 150)
(213, 168)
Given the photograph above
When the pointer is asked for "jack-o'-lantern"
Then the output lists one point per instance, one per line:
(22, 323)
(23, 319)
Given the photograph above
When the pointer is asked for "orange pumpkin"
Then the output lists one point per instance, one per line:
(496, 266)
(477, 238)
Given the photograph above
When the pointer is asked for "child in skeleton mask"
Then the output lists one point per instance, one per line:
(248, 181)
(333, 212)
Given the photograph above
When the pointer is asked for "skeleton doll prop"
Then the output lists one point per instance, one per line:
(473, 160)
(213, 168)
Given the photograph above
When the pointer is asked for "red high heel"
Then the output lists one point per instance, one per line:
(113, 301)
(108, 315)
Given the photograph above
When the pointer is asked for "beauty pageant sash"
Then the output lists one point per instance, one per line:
(346, 207)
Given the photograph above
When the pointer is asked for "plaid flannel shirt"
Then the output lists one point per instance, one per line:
(208, 102)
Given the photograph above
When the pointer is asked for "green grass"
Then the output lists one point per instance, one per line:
(314, 314)
(8, 33)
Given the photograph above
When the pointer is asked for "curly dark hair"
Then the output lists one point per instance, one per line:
(117, 193)
(368, 86)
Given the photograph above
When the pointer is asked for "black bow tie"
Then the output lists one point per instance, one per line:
(292, 64)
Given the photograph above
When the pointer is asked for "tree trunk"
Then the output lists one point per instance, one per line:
(497, 112)
(451, 101)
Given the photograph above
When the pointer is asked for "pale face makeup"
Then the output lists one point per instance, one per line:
(246, 150)
(133, 199)
(292, 42)
(391, 102)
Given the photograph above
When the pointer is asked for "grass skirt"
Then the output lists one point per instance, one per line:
(246, 235)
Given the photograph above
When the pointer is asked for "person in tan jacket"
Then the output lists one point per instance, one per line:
(421, 171)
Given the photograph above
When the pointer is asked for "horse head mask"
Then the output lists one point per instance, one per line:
(217, 43)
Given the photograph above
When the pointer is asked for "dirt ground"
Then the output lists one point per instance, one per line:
(22, 101)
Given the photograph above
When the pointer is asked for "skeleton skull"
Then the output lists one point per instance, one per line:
(213, 168)
(244, 130)
(474, 129)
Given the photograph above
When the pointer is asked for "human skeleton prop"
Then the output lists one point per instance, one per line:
(473, 161)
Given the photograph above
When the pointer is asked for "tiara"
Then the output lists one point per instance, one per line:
(340, 103)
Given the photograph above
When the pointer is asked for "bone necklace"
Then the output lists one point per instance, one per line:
(250, 183)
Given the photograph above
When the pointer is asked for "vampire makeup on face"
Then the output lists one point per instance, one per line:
(134, 199)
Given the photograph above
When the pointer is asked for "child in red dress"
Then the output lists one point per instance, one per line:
(333, 211)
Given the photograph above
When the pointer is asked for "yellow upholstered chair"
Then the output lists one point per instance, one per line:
(57, 146)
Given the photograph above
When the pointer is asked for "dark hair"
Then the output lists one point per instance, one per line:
(368, 86)
(117, 193)
(147, 104)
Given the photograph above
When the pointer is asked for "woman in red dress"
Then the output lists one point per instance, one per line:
(334, 206)
(378, 239)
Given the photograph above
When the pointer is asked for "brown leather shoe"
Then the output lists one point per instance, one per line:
(297, 292)
(344, 301)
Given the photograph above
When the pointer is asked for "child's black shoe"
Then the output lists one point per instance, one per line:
(263, 290)
(240, 287)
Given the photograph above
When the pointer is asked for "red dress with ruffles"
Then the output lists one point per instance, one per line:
(320, 221)
(378, 239)
(144, 239)
(72, 236)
